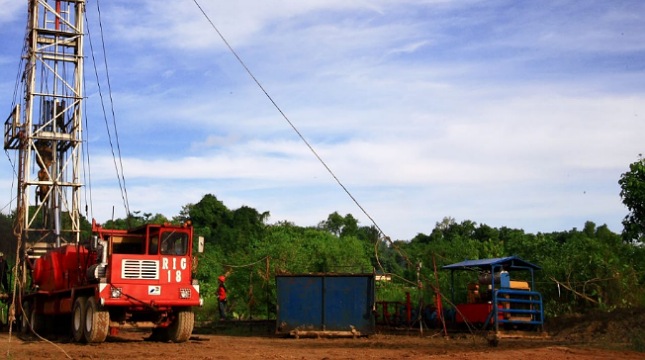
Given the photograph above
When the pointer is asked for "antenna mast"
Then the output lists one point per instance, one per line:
(46, 128)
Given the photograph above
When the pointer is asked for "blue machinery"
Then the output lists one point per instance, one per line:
(505, 307)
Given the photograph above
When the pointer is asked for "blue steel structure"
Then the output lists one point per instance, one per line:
(509, 306)
(325, 304)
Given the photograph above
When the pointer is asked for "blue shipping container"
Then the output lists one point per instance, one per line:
(327, 302)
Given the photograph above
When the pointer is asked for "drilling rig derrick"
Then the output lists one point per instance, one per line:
(46, 128)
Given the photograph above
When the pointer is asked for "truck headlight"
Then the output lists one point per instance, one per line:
(184, 293)
(115, 292)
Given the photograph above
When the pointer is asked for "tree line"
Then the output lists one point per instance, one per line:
(582, 269)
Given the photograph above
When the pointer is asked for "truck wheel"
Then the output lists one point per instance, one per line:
(182, 327)
(36, 321)
(25, 326)
(78, 318)
(31, 322)
(97, 322)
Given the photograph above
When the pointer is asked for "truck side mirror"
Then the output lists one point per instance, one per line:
(200, 244)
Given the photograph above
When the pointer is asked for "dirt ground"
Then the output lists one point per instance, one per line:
(618, 336)
(131, 347)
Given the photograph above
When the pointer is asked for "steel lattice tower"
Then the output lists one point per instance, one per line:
(46, 128)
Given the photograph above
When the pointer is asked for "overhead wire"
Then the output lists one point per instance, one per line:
(309, 146)
(118, 166)
(245, 265)
(382, 235)
(314, 152)
(87, 169)
(301, 136)
(18, 82)
(286, 118)
(13, 180)
(17, 231)
(18, 225)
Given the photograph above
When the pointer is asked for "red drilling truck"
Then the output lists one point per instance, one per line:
(139, 278)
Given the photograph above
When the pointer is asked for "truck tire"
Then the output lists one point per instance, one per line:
(182, 327)
(36, 321)
(97, 322)
(25, 327)
(31, 322)
(78, 318)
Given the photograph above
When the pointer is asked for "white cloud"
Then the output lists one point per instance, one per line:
(512, 116)
(10, 9)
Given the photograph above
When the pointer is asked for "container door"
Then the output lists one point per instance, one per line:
(348, 302)
(299, 303)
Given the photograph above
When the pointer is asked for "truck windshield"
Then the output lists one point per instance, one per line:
(174, 243)
(130, 244)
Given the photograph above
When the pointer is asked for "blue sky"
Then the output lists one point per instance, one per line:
(508, 113)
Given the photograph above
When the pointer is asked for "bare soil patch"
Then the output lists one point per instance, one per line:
(599, 336)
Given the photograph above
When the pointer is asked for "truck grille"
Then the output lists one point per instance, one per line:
(140, 269)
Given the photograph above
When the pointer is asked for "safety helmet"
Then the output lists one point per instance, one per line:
(221, 278)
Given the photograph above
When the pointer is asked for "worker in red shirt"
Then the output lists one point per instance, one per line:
(221, 297)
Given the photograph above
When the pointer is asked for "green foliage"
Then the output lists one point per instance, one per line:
(586, 269)
(8, 243)
(240, 245)
(135, 220)
(632, 185)
(394, 291)
(581, 270)
(340, 226)
(307, 250)
(8, 239)
(209, 212)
